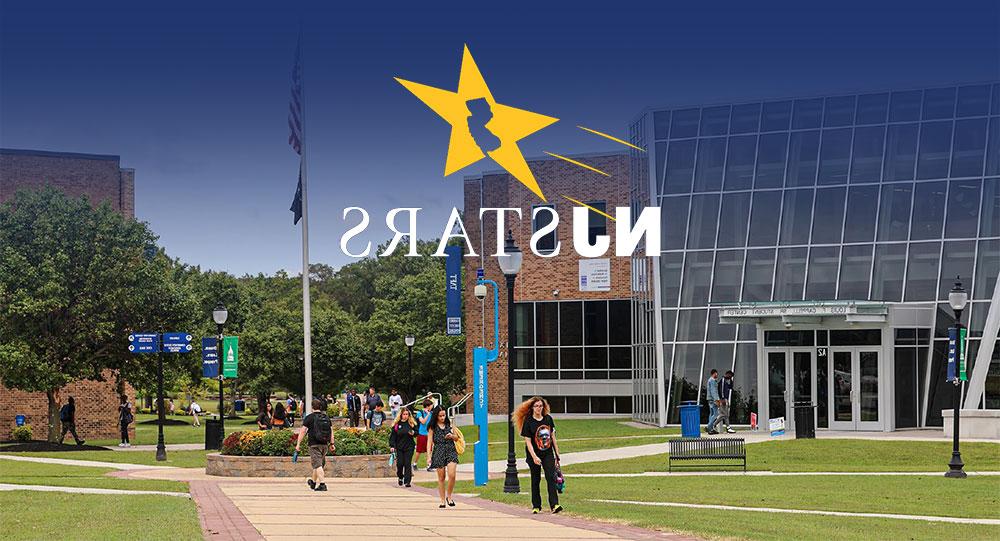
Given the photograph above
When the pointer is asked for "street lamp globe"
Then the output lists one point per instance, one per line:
(958, 297)
(220, 314)
(510, 262)
(410, 340)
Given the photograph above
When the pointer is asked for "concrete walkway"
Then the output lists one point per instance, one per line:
(87, 463)
(84, 490)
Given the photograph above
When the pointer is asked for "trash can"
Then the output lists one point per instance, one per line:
(19, 420)
(690, 419)
(213, 433)
(240, 406)
(805, 420)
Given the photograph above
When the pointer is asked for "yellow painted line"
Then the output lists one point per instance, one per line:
(582, 204)
(613, 138)
(574, 162)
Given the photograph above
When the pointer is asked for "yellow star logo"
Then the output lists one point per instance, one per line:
(508, 124)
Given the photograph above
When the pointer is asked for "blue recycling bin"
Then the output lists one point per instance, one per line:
(19, 420)
(690, 419)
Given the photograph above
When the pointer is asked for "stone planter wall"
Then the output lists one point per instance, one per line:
(282, 466)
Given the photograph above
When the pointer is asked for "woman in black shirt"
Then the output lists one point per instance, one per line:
(539, 431)
(264, 419)
(401, 437)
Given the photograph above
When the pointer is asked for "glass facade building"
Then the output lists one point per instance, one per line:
(876, 201)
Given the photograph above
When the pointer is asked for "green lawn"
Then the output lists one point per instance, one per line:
(177, 459)
(32, 473)
(26, 515)
(830, 455)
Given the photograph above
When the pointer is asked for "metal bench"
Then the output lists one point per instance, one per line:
(704, 449)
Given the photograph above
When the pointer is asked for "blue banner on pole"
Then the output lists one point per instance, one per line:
(210, 357)
(453, 291)
(952, 353)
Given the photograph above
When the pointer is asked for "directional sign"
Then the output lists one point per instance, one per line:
(210, 357)
(480, 273)
(177, 342)
(230, 356)
(144, 343)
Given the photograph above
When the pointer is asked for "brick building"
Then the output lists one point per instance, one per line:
(101, 178)
(572, 346)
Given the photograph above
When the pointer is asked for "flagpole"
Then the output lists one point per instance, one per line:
(306, 307)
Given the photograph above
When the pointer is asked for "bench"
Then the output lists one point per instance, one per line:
(704, 449)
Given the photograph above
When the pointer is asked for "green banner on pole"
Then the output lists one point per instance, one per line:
(230, 356)
(962, 337)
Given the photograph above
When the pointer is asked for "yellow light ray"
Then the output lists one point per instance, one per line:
(601, 212)
(613, 138)
(574, 162)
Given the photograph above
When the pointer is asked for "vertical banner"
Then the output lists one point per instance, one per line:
(453, 291)
(962, 337)
(230, 356)
(210, 357)
(952, 353)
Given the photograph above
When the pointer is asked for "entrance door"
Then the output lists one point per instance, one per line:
(854, 384)
(790, 379)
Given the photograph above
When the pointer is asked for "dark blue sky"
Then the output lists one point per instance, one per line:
(195, 98)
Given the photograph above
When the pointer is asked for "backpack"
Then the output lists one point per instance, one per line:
(64, 413)
(321, 430)
(293, 406)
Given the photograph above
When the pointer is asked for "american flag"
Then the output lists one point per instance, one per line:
(295, 127)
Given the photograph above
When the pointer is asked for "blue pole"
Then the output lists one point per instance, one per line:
(480, 413)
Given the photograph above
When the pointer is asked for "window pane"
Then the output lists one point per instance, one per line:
(717, 331)
(733, 219)
(674, 218)
(861, 208)
(715, 120)
(855, 272)
(928, 210)
(993, 148)
(680, 167)
(595, 358)
(739, 167)
(791, 274)
(704, 218)
(684, 124)
(995, 108)
(670, 278)
(939, 103)
(796, 215)
(771, 160)
(669, 320)
(935, 150)
(989, 224)
(620, 324)
(764, 219)
(597, 224)
(963, 209)
(807, 113)
(803, 148)
(595, 323)
(824, 262)
(887, 284)
(602, 404)
(970, 148)
(987, 267)
(524, 359)
(901, 152)
(548, 242)
(835, 156)
(577, 404)
(691, 325)
(866, 160)
(661, 124)
(746, 118)
(759, 275)
(894, 212)
(905, 106)
(728, 275)
(719, 357)
(973, 101)
(872, 108)
(744, 398)
(524, 326)
(570, 359)
(829, 222)
(660, 167)
(776, 116)
(839, 111)
(697, 275)
(922, 271)
(957, 260)
(711, 159)
(571, 323)
(684, 376)
(546, 323)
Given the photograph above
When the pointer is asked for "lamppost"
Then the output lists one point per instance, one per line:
(510, 264)
(957, 298)
(161, 448)
(220, 315)
(410, 340)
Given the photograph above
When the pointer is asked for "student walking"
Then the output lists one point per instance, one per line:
(67, 416)
(444, 456)
(195, 410)
(264, 419)
(534, 422)
(293, 407)
(317, 425)
(279, 419)
(376, 418)
(125, 418)
(712, 390)
(354, 407)
(423, 421)
(404, 429)
(725, 401)
(395, 402)
(372, 399)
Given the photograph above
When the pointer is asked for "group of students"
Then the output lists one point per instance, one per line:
(719, 395)
(278, 416)
(371, 408)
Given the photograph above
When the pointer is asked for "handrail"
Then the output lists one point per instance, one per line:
(422, 398)
(454, 407)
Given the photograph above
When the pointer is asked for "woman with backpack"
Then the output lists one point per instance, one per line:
(279, 419)
(444, 456)
(125, 418)
(533, 421)
(401, 435)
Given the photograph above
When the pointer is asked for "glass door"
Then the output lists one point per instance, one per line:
(854, 389)
(777, 396)
(841, 376)
(790, 379)
(866, 369)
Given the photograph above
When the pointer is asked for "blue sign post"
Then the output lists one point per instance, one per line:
(144, 343)
(480, 383)
(453, 297)
(176, 342)
(210, 357)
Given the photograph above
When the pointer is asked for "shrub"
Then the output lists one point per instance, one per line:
(353, 441)
(349, 441)
(22, 433)
(278, 443)
(231, 445)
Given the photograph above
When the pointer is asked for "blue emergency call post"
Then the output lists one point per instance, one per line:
(480, 385)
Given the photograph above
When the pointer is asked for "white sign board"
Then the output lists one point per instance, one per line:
(595, 274)
(776, 426)
(764, 311)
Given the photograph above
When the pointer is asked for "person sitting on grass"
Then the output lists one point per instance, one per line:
(533, 421)
(317, 425)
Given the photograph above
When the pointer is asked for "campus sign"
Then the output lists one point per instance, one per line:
(230, 356)
(777, 311)
(210, 357)
(144, 343)
(453, 290)
(176, 342)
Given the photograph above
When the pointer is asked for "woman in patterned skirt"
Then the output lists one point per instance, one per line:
(444, 457)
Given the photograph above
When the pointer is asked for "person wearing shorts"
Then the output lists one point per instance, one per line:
(317, 427)
(423, 420)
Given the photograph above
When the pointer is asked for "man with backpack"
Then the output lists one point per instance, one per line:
(317, 425)
(67, 416)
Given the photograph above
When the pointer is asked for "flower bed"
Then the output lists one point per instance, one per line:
(348, 442)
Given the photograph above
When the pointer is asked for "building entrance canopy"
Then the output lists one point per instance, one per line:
(804, 312)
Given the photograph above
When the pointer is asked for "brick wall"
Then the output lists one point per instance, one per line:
(539, 277)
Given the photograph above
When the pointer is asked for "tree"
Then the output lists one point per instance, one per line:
(75, 280)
